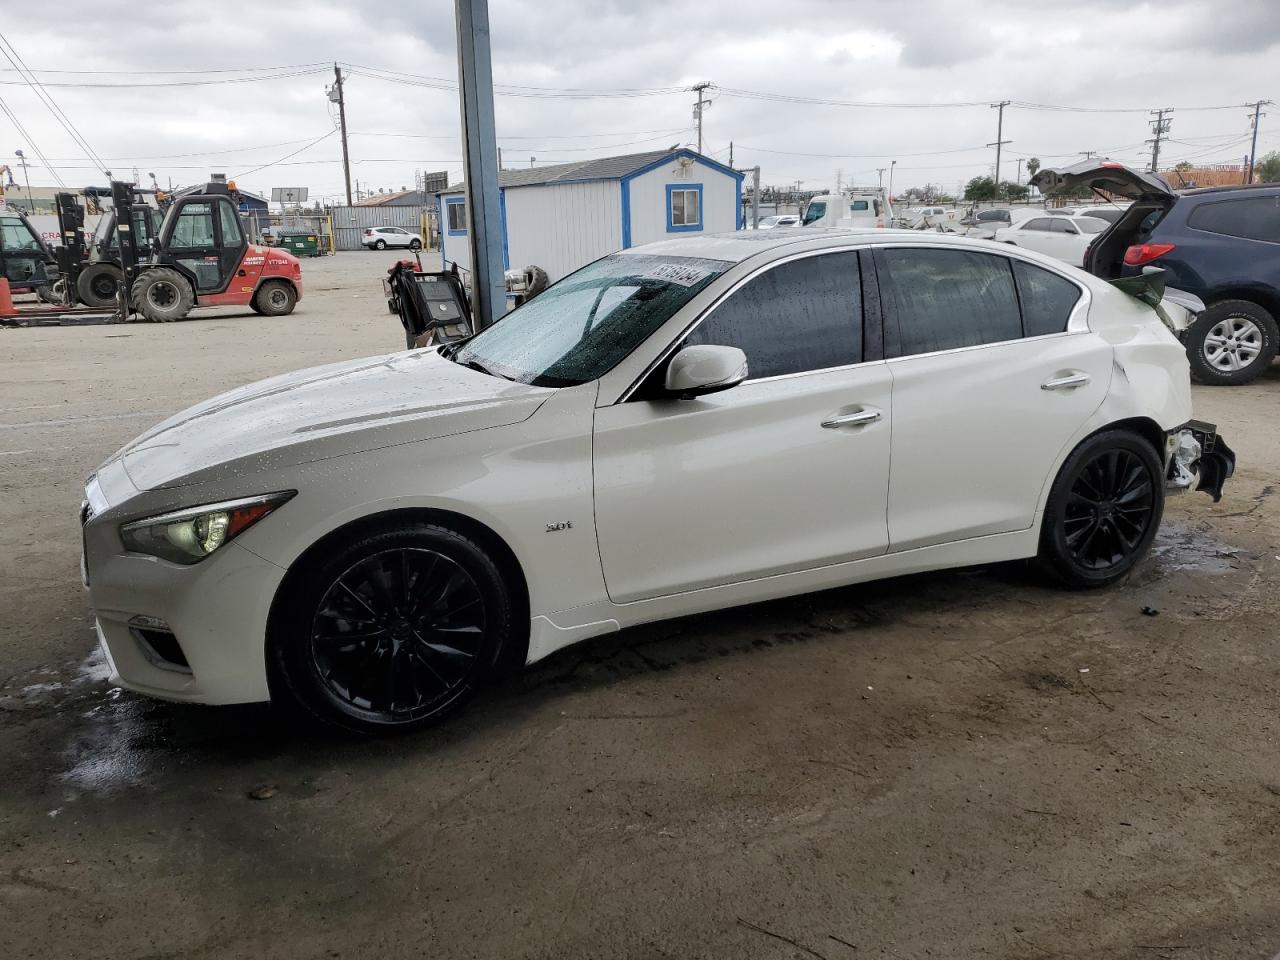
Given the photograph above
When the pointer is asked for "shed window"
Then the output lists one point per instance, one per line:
(684, 207)
(457, 217)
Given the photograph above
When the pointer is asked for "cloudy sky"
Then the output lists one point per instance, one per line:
(239, 87)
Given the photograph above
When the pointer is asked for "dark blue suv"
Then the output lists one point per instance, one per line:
(1220, 243)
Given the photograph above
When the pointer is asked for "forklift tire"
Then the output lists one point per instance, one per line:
(162, 295)
(52, 292)
(275, 298)
(98, 285)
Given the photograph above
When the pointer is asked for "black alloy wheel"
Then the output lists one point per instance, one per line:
(399, 633)
(1103, 511)
(392, 630)
(1109, 509)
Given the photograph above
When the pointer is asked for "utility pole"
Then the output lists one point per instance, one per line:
(336, 96)
(480, 150)
(1000, 141)
(1253, 150)
(880, 174)
(1160, 126)
(755, 198)
(730, 154)
(1017, 177)
(892, 164)
(699, 106)
(31, 207)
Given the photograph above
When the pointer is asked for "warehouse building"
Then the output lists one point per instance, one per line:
(564, 216)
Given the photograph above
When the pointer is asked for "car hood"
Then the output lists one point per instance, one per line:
(325, 412)
(1106, 175)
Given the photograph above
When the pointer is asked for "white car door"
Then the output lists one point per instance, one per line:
(994, 370)
(1070, 241)
(784, 472)
(1037, 234)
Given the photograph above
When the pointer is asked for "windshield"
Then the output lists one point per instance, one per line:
(816, 210)
(580, 328)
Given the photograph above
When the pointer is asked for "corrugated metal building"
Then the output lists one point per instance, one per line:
(564, 216)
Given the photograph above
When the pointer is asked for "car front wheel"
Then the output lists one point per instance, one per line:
(1103, 510)
(393, 631)
(380, 245)
(1231, 343)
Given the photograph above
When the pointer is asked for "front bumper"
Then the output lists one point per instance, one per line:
(216, 612)
(1196, 454)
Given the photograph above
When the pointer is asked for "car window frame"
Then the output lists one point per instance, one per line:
(1196, 208)
(872, 319)
(1077, 320)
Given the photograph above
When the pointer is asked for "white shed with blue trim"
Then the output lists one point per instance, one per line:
(564, 216)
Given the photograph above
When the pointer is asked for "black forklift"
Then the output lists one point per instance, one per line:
(92, 267)
(26, 261)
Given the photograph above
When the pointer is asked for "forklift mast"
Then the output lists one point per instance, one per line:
(74, 247)
(122, 199)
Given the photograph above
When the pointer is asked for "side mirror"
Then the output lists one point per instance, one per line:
(705, 369)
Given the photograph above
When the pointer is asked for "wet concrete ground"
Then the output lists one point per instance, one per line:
(965, 764)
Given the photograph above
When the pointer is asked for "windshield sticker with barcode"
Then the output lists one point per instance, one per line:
(674, 273)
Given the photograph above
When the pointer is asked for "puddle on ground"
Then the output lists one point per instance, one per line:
(1185, 549)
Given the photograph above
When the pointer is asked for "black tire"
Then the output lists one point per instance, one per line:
(275, 298)
(54, 293)
(1232, 342)
(415, 244)
(99, 284)
(163, 295)
(1103, 510)
(353, 646)
(379, 244)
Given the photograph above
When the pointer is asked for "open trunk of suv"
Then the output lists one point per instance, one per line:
(1151, 195)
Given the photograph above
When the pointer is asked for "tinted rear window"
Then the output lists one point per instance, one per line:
(944, 299)
(1253, 218)
(1047, 299)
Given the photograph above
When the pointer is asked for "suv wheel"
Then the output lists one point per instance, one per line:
(1232, 342)
(380, 244)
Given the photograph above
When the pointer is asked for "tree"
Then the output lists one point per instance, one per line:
(1033, 164)
(1014, 191)
(980, 188)
(1267, 170)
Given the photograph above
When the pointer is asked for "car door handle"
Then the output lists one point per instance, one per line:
(1068, 382)
(857, 419)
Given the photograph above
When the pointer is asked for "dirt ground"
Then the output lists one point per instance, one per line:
(956, 765)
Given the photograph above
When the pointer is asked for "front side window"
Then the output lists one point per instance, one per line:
(194, 228)
(1254, 218)
(1047, 299)
(457, 217)
(944, 299)
(684, 207)
(16, 236)
(815, 211)
(583, 326)
(1039, 223)
(1058, 225)
(230, 225)
(799, 316)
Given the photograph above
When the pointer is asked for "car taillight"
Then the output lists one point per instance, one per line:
(1141, 253)
(368, 233)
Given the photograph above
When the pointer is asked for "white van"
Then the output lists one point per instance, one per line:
(860, 208)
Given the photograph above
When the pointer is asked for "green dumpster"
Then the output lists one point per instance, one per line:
(301, 243)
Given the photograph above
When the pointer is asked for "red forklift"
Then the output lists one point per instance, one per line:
(201, 257)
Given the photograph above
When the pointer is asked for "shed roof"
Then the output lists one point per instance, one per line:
(601, 168)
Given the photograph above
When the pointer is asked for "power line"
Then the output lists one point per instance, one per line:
(140, 73)
(279, 162)
(11, 54)
(172, 83)
(17, 124)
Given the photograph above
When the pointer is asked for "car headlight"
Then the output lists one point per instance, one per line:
(188, 536)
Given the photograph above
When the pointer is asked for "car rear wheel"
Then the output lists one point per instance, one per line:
(379, 244)
(275, 298)
(1103, 511)
(162, 295)
(1232, 342)
(393, 631)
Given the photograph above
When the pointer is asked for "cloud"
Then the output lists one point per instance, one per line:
(1089, 52)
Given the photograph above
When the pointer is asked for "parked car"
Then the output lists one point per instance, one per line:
(1063, 237)
(985, 223)
(1110, 213)
(1221, 244)
(373, 538)
(781, 220)
(379, 238)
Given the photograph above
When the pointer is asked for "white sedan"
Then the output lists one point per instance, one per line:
(681, 427)
(1064, 237)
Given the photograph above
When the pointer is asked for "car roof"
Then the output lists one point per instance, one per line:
(743, 244)
(1228, 188)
